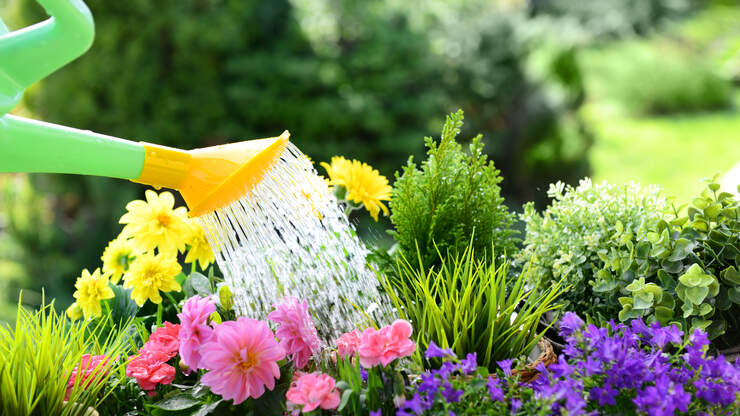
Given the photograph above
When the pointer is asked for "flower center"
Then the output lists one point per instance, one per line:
(164, 220)
(247, 363)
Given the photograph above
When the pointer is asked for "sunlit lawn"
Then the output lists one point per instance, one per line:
(675, 152)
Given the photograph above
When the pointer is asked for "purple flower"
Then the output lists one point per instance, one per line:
(433, 351)
(570, 323)
(417, 404)
(470, 363)
(429, 383)
(450, 394)
(505, 366)
(516, 404)
(494, 389)
(604, 395)
(376, 413)
(363, 374)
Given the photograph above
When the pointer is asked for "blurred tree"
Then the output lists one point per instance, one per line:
(364, 79)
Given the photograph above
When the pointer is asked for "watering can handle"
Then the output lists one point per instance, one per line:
(30, 54)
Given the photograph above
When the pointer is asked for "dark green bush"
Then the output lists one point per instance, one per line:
(451, 197)
(361, 79)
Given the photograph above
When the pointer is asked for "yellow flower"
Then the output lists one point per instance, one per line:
(363, 183)
(155, 223)
(199, 249)
(148, 274)
(74, 312)
(91, 289)
(117, 256)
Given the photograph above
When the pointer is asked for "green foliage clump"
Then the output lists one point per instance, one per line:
(661, 78)
(584, 234)
(470, 305)
(452, 196)
(688, 268)
(40, 352)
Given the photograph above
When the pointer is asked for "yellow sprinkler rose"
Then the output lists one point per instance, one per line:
(156, 223)
(199, 250)
(363, 183)
(148, 274)
(91, 289)
(117, 256)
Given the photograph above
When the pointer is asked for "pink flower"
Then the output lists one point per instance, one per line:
(242, 359)
(165, 338)
(387, 344)
(150, 368)
(193, 330)
(91, 367)
(296, 330)
(313, 390)
(348, 343)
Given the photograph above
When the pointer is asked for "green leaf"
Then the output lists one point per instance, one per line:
(346, 395)
(695, 277)
(696, 295)
(177, 402)
(680, 221)
(625, 300)
(681, 249)
(636, 285)
(197, 284)
(642, 300)
(668, 282)
(730, 276)
(712, 211)
(705, 309)
(663, 314)
(734, 294)
(123, 308)
(207, 408)
(672, 266)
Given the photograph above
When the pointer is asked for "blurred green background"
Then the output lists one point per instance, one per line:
(643, 90)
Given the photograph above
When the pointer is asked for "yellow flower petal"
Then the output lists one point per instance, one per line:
(91, 289)
(149, 274)
(364, 184)
(155, 224)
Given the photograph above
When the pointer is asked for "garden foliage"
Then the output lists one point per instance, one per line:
(451, 198)
(584, 233)
(470, 305)
(686, 268)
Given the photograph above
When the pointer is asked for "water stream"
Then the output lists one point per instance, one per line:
(288, 236)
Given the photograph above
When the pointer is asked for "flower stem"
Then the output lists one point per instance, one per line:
(174, 302)
(159, 314)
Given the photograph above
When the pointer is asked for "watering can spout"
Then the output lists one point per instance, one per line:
(32, 53)
(211, 177)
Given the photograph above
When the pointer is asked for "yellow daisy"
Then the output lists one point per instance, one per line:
(148, 274)
(117, 256)
(199, 250)
(91, 289)
(155, 223)
(363, 183)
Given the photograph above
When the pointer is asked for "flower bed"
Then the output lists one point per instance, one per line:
(656, 293)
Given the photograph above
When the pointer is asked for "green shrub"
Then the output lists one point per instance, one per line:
(582, 234)
(687, 268)
(452, 196)
(660, 78)
(470, 305)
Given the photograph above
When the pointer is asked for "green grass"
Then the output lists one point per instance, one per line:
(675, 152)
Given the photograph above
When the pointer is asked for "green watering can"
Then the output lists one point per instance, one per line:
(208, 178)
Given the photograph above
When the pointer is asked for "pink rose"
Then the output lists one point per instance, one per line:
(88, 369)
(387, 344)
(150, 368)
(312, 391)
(165, 338)
(348, 343)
